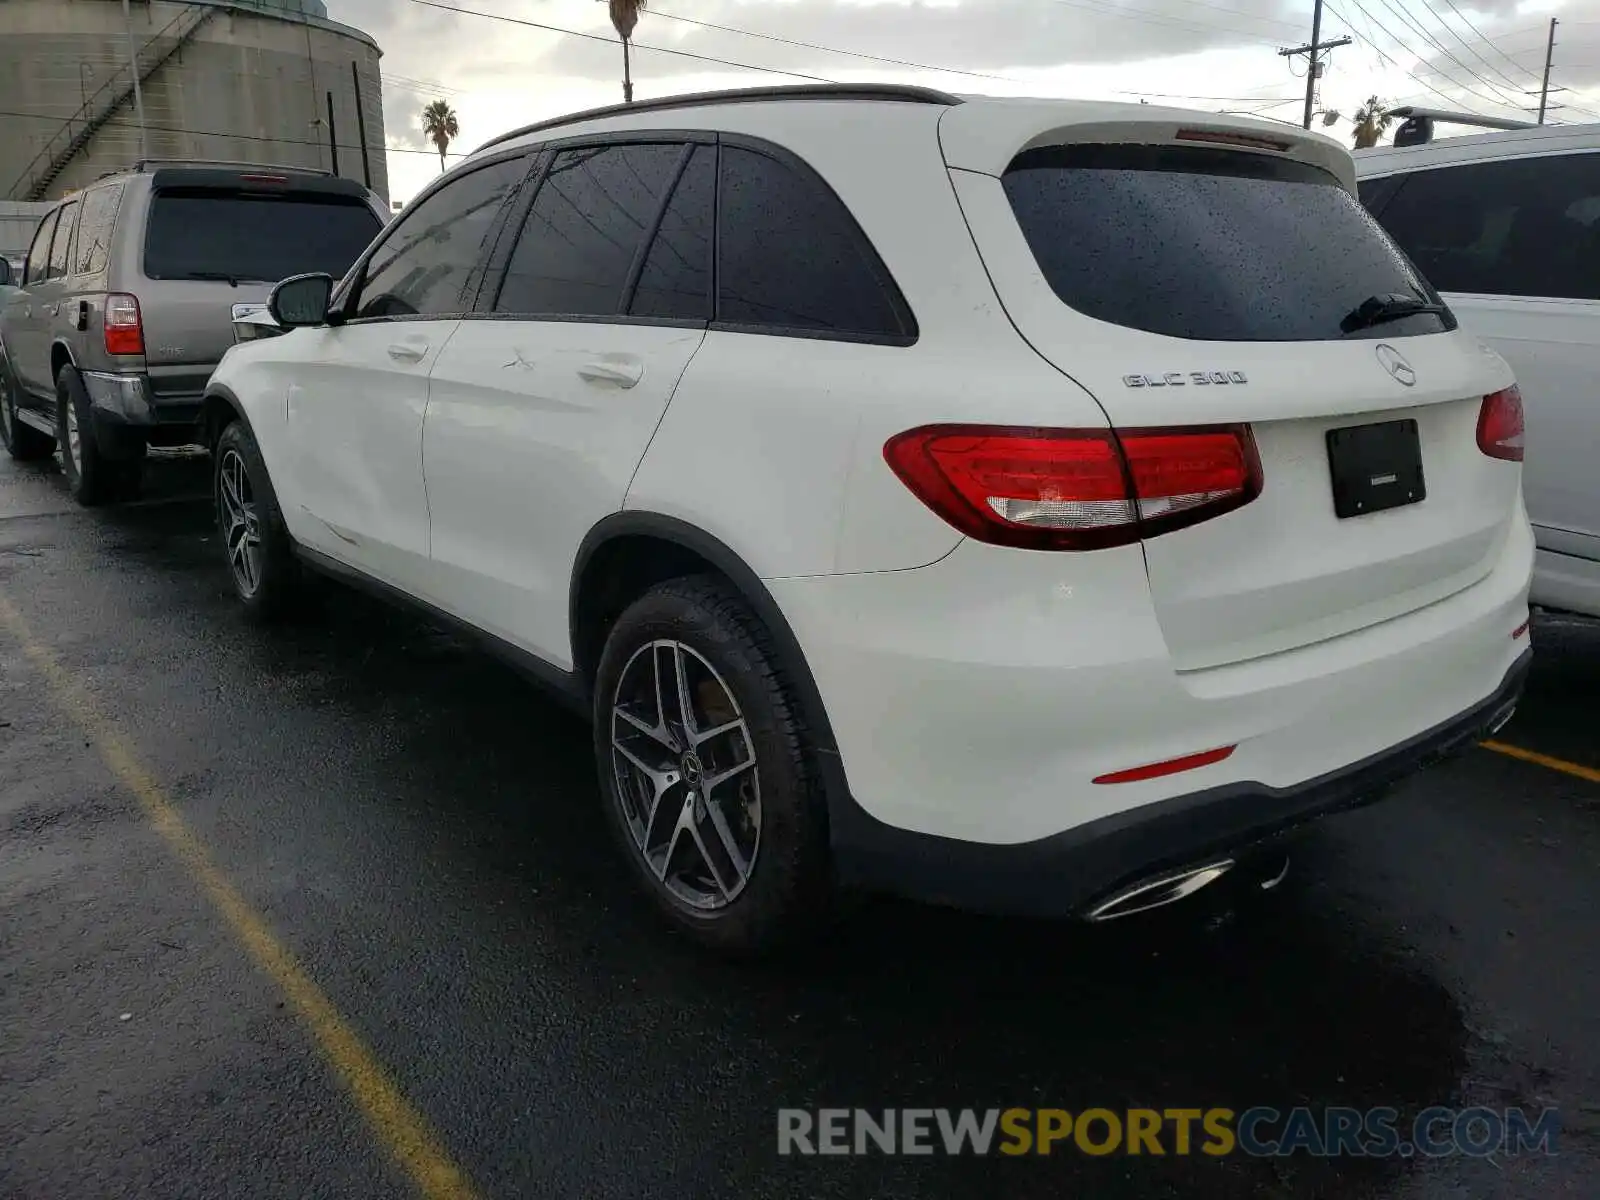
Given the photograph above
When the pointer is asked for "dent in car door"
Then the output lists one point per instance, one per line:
(356, 404)
(542, 408)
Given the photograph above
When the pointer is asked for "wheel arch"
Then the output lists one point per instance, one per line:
(218, 409)
(61, 355)
(685, 549)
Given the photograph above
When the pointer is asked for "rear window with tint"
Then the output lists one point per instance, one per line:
(1209, 244)
(206, 234)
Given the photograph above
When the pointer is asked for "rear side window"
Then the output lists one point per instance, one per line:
(1210, 244)
(591, 216)
(676, 279)
(1375, 193)
(39, 252)
(95, 226)
(212, 233)
(61, 243)
(427, 257)
(1527, 227)
(791, 258)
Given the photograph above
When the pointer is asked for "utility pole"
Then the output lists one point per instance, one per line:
(1549, 52)
(138, 94)
(1311, 50)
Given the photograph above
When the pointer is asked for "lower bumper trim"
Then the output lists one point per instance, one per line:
(1068, 873)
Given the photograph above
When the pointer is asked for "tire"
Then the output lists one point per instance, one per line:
(23, 442)
(256, 543)
(771, 812)
(92, 476)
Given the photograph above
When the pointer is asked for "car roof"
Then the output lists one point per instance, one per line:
(978, 133)
(1479, 147)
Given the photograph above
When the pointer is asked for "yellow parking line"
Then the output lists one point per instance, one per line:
(1544, 760)
(401, 1129)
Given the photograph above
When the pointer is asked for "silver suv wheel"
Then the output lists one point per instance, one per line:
(241, 526)
(685, 767)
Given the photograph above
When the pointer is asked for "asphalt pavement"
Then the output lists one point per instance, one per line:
(330, 911)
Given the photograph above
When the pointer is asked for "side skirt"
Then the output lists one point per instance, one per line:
(564, 686)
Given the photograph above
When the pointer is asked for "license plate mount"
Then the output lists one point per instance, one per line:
(1375, 467)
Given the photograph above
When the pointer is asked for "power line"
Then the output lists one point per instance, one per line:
(1428, 39)
(611, 41)
(1468, 23)
(1467, 88)
(656, 13)
(1380, 53)
(243, 137)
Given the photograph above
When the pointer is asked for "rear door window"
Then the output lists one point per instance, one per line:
(214, 233)
(791, 258)
(94, 228)
(1219, 245)
(591, 216)
(1524, 227)
(61, 243)
(676, 278)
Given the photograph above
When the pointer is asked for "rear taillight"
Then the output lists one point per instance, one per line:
(1500, 424)
(123, 327)
(1075, 489)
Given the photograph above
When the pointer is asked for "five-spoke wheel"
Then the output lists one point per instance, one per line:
(240, 526)
(686, 774)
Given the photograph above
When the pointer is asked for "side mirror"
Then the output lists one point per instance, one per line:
(5, 271)
(301, 300)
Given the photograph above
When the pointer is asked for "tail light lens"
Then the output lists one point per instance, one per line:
(1075, 489)
(124, 329)
(1500, 429)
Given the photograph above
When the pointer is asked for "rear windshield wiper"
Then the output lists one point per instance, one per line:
(1377, 310)
(219, 276)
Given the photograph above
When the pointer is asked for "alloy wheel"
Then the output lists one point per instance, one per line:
(685, 769)
(74, 446)
(241, 529)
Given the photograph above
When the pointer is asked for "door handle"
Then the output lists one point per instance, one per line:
(624, 371)
(410, 350)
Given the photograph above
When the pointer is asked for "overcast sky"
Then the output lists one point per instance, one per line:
(1481, 55)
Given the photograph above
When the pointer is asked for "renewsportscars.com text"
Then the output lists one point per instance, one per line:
(1260, 1132)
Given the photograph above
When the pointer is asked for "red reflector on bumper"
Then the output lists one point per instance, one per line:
(1171, 767)
(1519, 631)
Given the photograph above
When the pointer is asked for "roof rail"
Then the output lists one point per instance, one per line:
(799, 91)
(145, 164)
(1417, 123)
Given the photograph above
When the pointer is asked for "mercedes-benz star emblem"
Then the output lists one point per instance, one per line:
(1398, 367)
(692, 770)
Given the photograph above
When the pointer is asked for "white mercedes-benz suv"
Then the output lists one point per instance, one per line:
(1037, 506)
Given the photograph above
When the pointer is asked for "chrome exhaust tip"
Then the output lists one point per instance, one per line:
(1159, 891)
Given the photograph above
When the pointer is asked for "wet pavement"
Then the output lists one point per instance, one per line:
(420, 828)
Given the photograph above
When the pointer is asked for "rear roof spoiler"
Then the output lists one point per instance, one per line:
(1416, 124)
(262, 179)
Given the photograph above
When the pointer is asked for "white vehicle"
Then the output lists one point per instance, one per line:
(1507, 226)
(1030, 505)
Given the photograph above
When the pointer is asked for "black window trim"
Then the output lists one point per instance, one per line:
(516, 216)
(349, 288)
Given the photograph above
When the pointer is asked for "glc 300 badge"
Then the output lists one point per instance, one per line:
(1183, 378)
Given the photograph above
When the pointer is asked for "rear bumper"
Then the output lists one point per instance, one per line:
(120, 402)
(1065, 874)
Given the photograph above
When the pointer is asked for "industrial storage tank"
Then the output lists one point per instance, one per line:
(262, 81)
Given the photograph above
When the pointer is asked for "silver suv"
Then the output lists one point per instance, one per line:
(127, 298)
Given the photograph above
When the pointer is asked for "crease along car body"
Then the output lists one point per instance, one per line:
(965, 497)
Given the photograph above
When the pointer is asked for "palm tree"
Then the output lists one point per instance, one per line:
(439, 126)
(624, 16)
(1371, 120)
